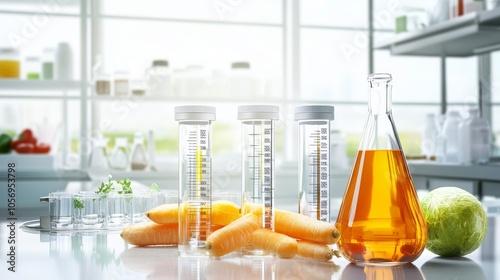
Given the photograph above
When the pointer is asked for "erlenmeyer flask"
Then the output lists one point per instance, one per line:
(380, 220)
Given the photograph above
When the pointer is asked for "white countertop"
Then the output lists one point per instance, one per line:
(104, 255)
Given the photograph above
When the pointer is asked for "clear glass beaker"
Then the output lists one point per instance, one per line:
(119, 157)
(138, 155)
(61, 210)
(380, 219)
(314, 160)
(195, 173)
(258, 162)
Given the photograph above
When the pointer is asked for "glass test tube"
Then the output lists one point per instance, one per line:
(195, 177)
(314, 160)
(258, 159)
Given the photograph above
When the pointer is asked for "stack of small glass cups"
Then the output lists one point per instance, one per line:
(88, 210)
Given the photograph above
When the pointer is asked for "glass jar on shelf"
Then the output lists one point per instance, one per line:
(158, 82)
(121, 83)
(101, 78)
(9, 63)
(32, 68)
(48, 58)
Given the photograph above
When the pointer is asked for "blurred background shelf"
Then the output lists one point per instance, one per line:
(470, 34)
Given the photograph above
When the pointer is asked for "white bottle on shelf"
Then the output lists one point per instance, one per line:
(64, 62)
(480, 138)
(450, 131)
(474, 139)
(429, 136)
(158, 80)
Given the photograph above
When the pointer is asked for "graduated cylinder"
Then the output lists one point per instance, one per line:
(195, 177)
(258, 160)
(314, 160)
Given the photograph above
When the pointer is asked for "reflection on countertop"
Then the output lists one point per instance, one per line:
(104, 255)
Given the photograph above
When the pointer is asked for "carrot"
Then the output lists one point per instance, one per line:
(233, 236)
(283, 246)
(313, 250)
(150, 233)
(224, 212)
(302, 227)
(164, 214)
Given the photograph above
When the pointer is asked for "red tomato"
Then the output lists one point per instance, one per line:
(42, 148)
(26, 134)
(24, 148)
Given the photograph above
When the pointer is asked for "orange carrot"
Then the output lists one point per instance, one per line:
(302, 227)
(224, 212)
(313, 250)
(233, 236)
(150, 233)
(164, 214)
(283, 246)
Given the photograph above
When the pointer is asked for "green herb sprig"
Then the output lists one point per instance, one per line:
(106, 188)
(154, 188)
(126, 188)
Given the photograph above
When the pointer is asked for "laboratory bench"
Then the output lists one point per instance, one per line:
(104, 255)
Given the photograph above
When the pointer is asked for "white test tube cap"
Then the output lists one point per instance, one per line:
(194, 113)
(261, 112)
(314, 112)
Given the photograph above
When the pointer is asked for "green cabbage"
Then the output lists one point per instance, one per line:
(456, 222)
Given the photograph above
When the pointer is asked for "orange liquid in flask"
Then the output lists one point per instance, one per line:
(380, 220)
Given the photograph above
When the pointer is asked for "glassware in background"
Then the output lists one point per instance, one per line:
(89, 210)
(380, 219)
(158, 81)
(314, 160)
(48, 58)
(61, 210)
(9, 63)
(121, 83)
(64, 62)
(119, 158)
(119, 208)
(138, 155)
(438, 11)
(195, 177)
(429, 136)
(101, 77)
(32, 68)
(450, 132)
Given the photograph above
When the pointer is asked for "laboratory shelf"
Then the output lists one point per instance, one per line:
(470, 34)
(474, 172)
(38, 85)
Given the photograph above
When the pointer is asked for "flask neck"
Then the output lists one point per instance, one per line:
(380, 100)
